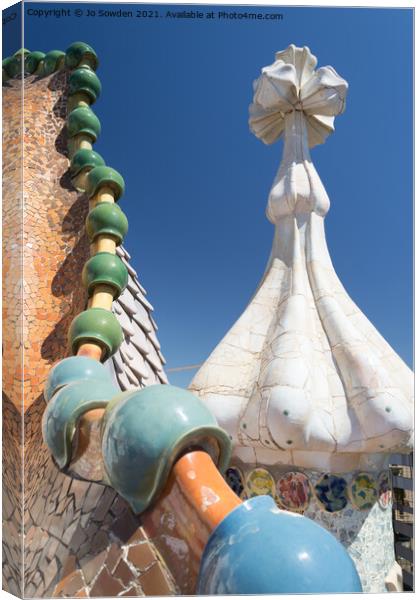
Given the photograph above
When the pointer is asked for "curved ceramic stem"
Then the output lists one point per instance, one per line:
(297, 188)
(296, 147)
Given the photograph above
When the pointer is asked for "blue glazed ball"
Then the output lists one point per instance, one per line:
(65, 408)
(145, 431)
(259, 549)
(74, 368)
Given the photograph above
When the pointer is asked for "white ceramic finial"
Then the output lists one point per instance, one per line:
(294, 102)
(292, 84)
(303, 378)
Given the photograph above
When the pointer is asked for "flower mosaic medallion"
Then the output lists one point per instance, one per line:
(384, 490)
(294, 491)
(331, 492)
(363, 491)
(235, 480)
(260, 482)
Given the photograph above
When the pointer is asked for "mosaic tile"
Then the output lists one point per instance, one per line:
(384, 490)
(154, 579)
(294, 491)
(363, 491)
(331, 492)
(260, 482)
(235, 480)
(141, 556)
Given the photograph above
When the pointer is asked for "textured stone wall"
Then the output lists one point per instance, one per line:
(81, 539)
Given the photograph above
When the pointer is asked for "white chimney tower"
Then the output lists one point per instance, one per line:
(313, 396)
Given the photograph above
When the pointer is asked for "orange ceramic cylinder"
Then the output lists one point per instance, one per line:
(198, 477)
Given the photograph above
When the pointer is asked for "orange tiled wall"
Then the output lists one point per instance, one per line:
(45, 246)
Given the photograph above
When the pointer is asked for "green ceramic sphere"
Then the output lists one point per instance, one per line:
(16, 59)
(12, 66)
(53, 61)
(96, 325)
(6, 65)
(105, 268)
(23, 51)
(85, 80)
(85, 160)
(79, 51)
(107, 219)
(83, 120)
(105, 176)
(32, 61)
(14, 63)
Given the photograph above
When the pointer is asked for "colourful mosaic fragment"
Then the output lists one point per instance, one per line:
(294, 491)
(235, 480)
(331, 492)
(259, 482)
(384, 490)
(363, 491)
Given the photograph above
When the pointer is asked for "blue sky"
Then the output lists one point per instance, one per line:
(174, 114)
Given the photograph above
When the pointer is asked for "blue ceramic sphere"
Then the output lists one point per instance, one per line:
(74, 368)
(145, 431)
(65, 408)
(260, 549)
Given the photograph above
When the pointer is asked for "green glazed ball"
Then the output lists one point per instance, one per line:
(107, 219)
(105, 268)
(85, 80)
(85, 159)
(53, 61)
(22, 51)
(79, 51)
(83, 120)
(96, 325)
(14, 63)
(6, 62)
(105, 176)
(12, 66)
(32, 61)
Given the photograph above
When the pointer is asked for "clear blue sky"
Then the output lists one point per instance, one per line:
(174, 114)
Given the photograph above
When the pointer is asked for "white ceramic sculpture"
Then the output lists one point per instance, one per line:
(303, 378)
(313, 397)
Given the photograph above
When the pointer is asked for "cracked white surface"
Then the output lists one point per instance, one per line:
(139, 361)
(303, 377)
